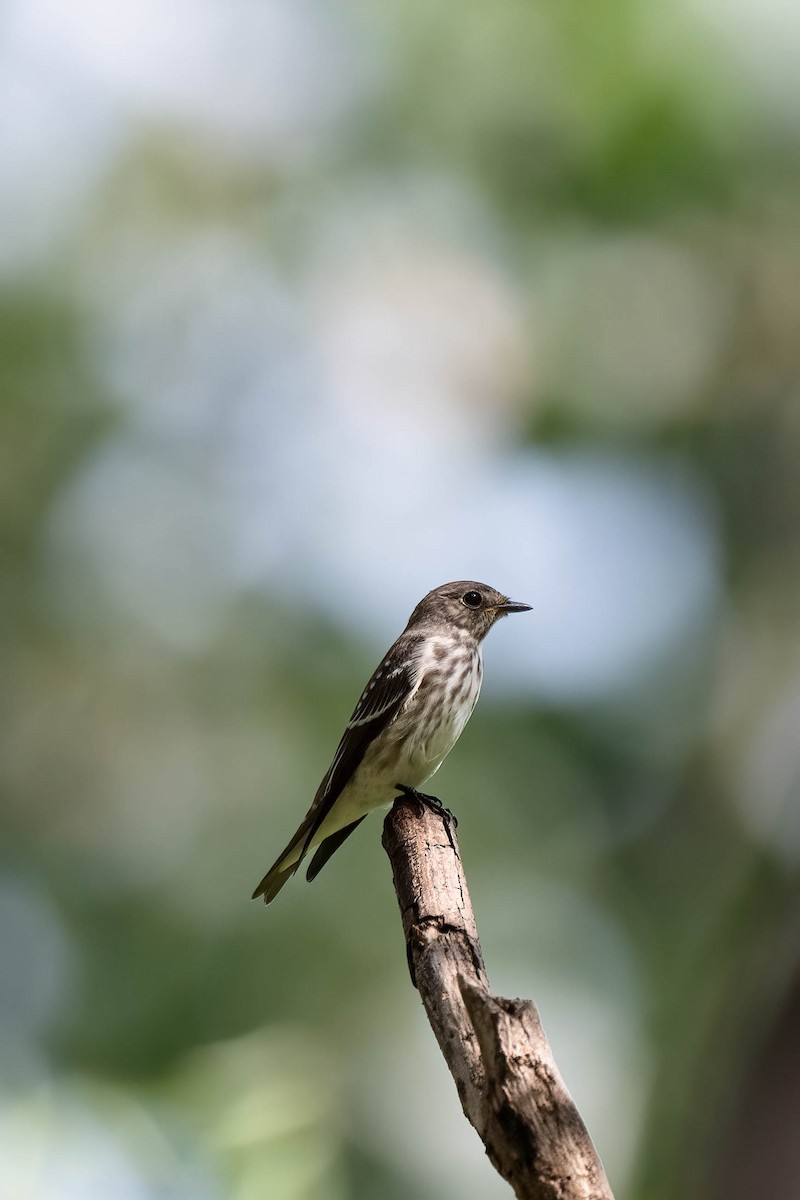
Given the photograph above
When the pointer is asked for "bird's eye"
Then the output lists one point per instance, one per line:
(472, 599)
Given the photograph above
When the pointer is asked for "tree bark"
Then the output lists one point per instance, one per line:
(496, 1050)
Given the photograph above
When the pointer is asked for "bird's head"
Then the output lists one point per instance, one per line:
(464, 605)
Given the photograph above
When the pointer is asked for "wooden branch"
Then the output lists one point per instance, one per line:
(498, 1055)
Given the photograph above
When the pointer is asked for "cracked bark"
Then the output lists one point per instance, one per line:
(507, 1080)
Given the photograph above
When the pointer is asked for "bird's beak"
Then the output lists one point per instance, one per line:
(512, 606)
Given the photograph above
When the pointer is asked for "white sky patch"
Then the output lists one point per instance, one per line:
(254, 80)
(269, 71)
(56, 140)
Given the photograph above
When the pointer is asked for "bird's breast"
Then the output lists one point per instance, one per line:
(443, 701)
(424, 732)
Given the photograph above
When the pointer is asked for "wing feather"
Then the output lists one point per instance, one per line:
(391, 684)
(380, 702)
(328, 847)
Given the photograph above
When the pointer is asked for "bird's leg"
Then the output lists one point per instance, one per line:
(424, 801)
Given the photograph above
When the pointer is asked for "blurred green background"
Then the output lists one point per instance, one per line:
(307, 306)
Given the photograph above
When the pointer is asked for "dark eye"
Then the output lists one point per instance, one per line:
(472, 599)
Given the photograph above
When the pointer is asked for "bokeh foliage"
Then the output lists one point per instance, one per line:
(303, 263)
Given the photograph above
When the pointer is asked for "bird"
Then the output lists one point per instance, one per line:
(407, 720)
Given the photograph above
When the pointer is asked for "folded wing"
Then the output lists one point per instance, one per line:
(382, 699)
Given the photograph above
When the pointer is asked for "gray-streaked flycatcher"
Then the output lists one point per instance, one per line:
(406, 722)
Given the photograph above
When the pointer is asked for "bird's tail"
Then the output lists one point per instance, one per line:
(273, 881)
(285, 866)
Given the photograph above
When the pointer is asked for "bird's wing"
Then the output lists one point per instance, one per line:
(387, 691)
(329, 846)
(382, 699)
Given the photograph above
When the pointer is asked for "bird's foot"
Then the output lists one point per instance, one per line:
(424, 801)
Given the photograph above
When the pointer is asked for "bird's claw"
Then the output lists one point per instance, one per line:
(424, 801)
